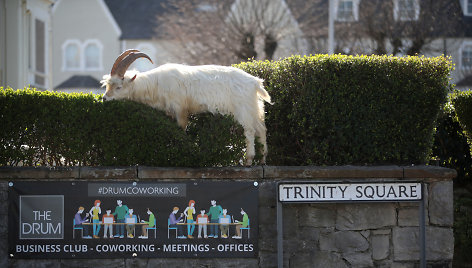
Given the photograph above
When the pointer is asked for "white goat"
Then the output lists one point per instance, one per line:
(180, 90)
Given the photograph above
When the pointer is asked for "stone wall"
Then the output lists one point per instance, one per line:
(315, 235)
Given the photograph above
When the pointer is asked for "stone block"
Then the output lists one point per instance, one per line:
(318, 259)
(317, 217)
(408, 216)
(255, 172)
(267, 194)
(350, 241)
(10, 173)
(267, 259)
(290, 220)
(365, 216)
(362, 259)
(405, 243)
(380, 247)
(441, 208)
(439, 243)
(108, 173)
(327, 241)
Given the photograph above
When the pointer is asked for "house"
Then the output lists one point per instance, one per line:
(69, 45)
(26, 43)
(90, 34)
(401, 27)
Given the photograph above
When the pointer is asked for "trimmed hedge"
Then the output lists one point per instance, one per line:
(336, 110)
(47, 128)
(462, 101)
(329, 110)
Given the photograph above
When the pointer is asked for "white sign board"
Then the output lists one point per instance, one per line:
(350, 192)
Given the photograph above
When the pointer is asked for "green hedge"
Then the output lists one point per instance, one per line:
(47, 128)
(462, 102)
(335, 110)
(450, 144)
(329, 110)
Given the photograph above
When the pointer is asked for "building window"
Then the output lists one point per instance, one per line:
(92, 56)
(468, 7)
(346, 10)
(406, 10)
(72, 56)
(82, 56)
(466, 56)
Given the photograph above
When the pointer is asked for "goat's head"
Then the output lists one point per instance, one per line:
(118, 82)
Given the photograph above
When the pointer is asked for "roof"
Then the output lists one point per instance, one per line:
(136, 18)
(80, 81)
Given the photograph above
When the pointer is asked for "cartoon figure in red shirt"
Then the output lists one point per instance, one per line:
(108, 221)
(202, 220)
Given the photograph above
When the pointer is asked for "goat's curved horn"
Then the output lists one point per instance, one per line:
(126, 61)
(120, 58)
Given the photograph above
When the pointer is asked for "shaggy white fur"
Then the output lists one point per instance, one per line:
(181, 90)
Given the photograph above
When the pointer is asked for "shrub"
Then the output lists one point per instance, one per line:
(335, 110)
(47, 128)
(462, 101)
(450, 144)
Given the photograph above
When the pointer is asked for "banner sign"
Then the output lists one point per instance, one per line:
(80, 219)
(351, 192)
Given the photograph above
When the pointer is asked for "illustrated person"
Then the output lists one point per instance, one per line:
(173, 222)
(130, 227)
(148, 224)
(120, 213)
(79, 220)
(242, 224)
(224, 220)
(189, 212)
(202, 220)
(214, 215)
(94, 211)
(107, 226)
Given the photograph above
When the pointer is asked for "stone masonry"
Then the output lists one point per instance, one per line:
(315, 235)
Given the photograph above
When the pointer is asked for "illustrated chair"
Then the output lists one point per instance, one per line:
(248, 228)
(170, 228)
(153, 228)
(77, 228)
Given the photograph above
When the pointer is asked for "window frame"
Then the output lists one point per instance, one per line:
(466, 46)
(396, 11)
(355, 10)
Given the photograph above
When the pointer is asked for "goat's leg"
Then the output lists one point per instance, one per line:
(250, 151)
(261, 133)
(182, 119)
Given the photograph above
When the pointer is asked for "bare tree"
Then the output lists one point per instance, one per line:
(228, 31)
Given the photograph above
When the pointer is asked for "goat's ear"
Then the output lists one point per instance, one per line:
(134, 77)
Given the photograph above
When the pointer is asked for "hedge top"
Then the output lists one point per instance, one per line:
(329, 110)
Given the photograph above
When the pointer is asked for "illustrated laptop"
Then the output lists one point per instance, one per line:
(107, 220)
(202, 220)
(225, 220)
(130, 220)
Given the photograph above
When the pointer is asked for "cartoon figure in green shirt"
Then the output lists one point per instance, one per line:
(243, 224)
(149, 224)
(214, 214)
(120, 213)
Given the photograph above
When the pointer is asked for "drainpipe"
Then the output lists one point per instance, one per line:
(331, 27)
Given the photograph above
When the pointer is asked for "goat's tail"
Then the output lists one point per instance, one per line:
(262, 92)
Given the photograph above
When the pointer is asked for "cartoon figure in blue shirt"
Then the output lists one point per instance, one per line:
(130, 218)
